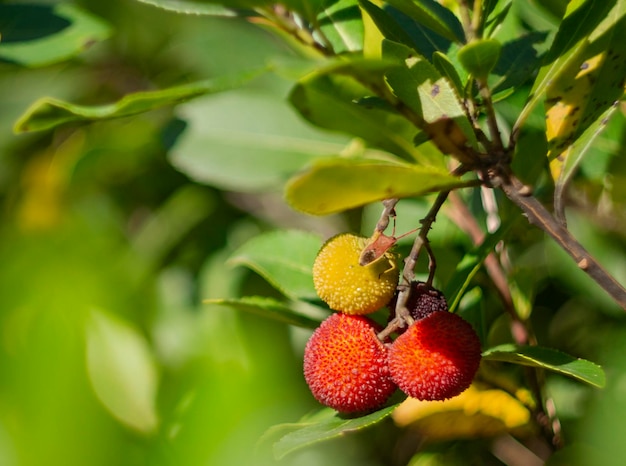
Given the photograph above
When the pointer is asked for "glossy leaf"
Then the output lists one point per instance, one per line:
(48, 112)
(549, 359)
(191, 7)
(432, 15)
(337, 103)
(420, 86)
(40, 35)
(324, 425)
(342, 25)
(268, 308)
(247, 141)
(447, 69)
(284, 258)
(580, 20)
(471, 263)
(122, 371)
(586, 88)
(480, 56)
(518, 61)
(337, 184)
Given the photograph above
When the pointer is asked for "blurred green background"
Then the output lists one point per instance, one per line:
(107, 354)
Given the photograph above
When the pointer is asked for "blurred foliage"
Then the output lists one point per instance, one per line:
(113, 233)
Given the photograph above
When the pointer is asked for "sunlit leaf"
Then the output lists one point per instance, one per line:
(39, 35)
(284, 258)
(480, 56)
(477, 412)
(579, 22)
(549, 359)
(337, 103)
(122, 371)
(431, 96)
(247, 141)
(324, 425)
(337, 184)
(48, 112)
(268, 308)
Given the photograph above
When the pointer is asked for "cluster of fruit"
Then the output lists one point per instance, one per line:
(349, 368)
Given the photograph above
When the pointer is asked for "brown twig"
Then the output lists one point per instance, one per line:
(538, 215)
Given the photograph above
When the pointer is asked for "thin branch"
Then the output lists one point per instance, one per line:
(402, 315)
(538, 215)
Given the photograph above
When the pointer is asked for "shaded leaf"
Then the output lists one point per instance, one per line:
(325, 425)
(122, 371)
(39, 35)
(268, 308)
(342, 25)
(331, 102)
(432, 15)
(549, 359)
(480, 56)
(471, 263)
(191, 7)
(337, 184)
(247, 141)
(446, 68)
(48, 112)
(284, 258)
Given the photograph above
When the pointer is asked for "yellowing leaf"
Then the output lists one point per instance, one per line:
(478, 411)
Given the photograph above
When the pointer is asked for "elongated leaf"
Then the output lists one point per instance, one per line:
(518, 61)
(122, 371)
(446, 68)
(549, 359)
(284, 258)
(191, 8)
(48, 112)
(331, 102)
(432, 15)
(247, 141)
(337, 184)
(584, 90)
(268, 308)
(581, 18)
(39, 35)
(325, 425)
(342, 25)
(420, 86)
(471, 263)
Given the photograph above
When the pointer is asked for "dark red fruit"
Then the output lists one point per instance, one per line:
(345, 364)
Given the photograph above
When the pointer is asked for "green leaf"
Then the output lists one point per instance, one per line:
(268, 308)
(325, 425)
(40, 35)
(122, 371)
(191, 7)
(331, 102)
(247, 141)
(387, 25)
(284, 258)
(580, 20)
(471, 263)
(480, 56)
(518, 61)
(447, 69)
(48, 112)
(342, 25)
(575, 154)
(432, 15)
(337, 184)
(549, 359)
(420, 86)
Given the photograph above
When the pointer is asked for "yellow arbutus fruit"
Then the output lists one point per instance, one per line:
(349, 287)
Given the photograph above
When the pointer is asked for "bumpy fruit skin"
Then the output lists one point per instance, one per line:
(436, 358)
(423, 301)
(349, 287)
(345, 364)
